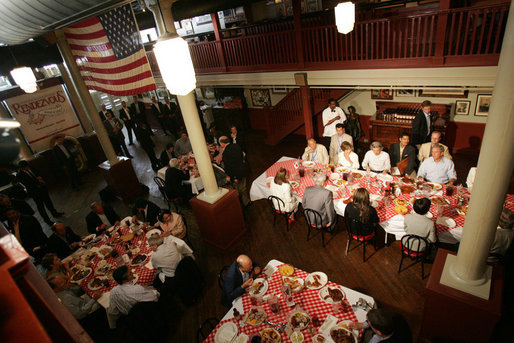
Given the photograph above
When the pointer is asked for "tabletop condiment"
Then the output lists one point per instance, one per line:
(237, 315)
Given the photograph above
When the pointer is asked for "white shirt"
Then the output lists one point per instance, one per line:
(378, 163)
(168, 255)
(127, 112)
(330, 130)
(345, 163)
(104, 219)
(427, 118)
(64, 150)
(124, 297)
(283, 192)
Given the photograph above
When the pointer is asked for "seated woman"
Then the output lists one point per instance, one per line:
(361, 210)
(347, 158)
(376, 160)
(281, 188)
(171, 223)
(53, 265)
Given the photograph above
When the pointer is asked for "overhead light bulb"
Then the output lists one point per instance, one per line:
(24, 77)
(345, 17)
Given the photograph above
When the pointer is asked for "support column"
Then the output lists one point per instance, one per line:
(154, 8)
(75, 99)
(25, 151)
(297, 17)
(219, 40)
(305, 92)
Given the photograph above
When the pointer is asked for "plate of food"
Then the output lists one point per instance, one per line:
(286, 270)
(334, 176)
(331, 294)
(439, 201)
(316, 280)
(295, 283)
(401, 202)
(308, 164)
(357, 175)
(401, 209)
(226, 333)
(385, 177)
(296, 337)
(435, 186)
(102, 268)
(138, 260)
(97, 283)
(407, 189)
(88, 256)
(411, 200)
(446, 221)
(116, 240)
(320, 338)
(299, 320)
(341, 334)
(270, 335)
(259, 287)
(104, 251)
(462, 210)
(256, 316)
(340, 183)
(87, 239)
(341, 169)
(128, 237)
(407, 180)
(81, 274)
(153, 232)
(294, 184)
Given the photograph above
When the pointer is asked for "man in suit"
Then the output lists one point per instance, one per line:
(336, 141)
(235, 168)
(146, 211)
(402, 150)
(422, 125)
(20, 205)
(100, 218)
(63, 241)
(319, 198)
(238, 278)
(173, 181)
(36, 189)
(103, 112)
(170, 111)
(214, 137)
(425, 151)
(146, 142)
(66, 159)
(238, 138)
(128, 119)
(158, 112)
(138, 112)
(167, 154)
(28, 232)
(315, 152)
(113, 126)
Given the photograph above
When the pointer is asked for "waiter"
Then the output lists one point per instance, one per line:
(332, 115)
(422, 125)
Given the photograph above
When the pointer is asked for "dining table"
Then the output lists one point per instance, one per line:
(354, 307)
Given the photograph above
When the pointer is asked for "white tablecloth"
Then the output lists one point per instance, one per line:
(195, 182)
(260, 189)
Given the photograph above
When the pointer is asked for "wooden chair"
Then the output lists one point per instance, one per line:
(356, 233)
(206, 328)
(221, 276)
(160, 184)
(413, 248)
(314, 221)
(278, 206)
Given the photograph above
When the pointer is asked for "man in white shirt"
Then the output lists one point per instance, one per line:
(337, 140)
(437, 169)
(425, 150)
(315, 152)
(332, 115)
(168, 252)
(124, 296)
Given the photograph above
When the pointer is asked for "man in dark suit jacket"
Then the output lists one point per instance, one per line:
(138, 111)
(170, 111)
(20, 205)
(319, 198)
(143, 136)
(167, 154)
(159, 113)
(402, 150)
(113, 126)
(103, 113)
(101, 217)
(238, 277)
(128, 119)
(238, 138)
(422, 125)
(64, 157)
(235, 167)
(146, 211)
(28, 232)
(63, 241)
(173, 182)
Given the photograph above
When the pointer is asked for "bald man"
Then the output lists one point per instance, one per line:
(315, 152)
(238, 278)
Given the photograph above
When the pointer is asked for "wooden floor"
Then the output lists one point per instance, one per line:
(377, 277)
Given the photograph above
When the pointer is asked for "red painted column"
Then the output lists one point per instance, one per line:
(219, 39)
(297, 14)
(305, 92)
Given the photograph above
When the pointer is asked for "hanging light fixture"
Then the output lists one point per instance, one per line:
(24, 77)
(345, 17)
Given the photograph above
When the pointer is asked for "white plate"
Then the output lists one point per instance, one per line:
(103, 247)
(334, 176)
(325, 338)
(385, 177)
(342, 169)
(347, 322)
(263, 290)
(374, 203)
(294, 184)
(296, 337)
(308, 164)
(100, 265)
(323, 279)
(446, 221)
(95, 288)
(435, 196)
(151, 232)
(226, 333)
(86, 275)
(300, 281)
(140, 263)
(324, 292)
(338, 326)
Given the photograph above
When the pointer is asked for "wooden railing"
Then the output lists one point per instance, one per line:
(284, 117)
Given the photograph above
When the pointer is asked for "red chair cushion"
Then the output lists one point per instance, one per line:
(411, 253)
(363, 238)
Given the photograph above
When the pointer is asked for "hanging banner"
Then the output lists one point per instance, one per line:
(44, 114)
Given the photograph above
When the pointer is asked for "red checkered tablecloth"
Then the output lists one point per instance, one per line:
(307, 299)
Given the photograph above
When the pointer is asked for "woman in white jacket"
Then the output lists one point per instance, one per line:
(281, 188)
(347, 158)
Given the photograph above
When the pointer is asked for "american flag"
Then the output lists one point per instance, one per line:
(109, 53)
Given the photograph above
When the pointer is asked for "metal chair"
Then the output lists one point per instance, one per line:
(221, 276)
(206, 328)
(356, 232)
(314, 221)
(160, 184)
(416, 248)
(278, 206)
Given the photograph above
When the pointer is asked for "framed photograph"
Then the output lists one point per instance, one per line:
(260, 97)
(405, 92)
(443, 93)
(208, 93)
(462, 107)
(483, 103)
(383, 94)
(279, 90)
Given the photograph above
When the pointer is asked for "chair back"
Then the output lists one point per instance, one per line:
(221, 276)
(313, 218)
(206, 328)
(277, 204)
(413, 246)
(160, 184)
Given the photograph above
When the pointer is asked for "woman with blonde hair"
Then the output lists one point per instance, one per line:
(361, 210)
(347, 158)
(281, 188)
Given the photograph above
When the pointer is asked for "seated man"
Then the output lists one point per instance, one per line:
(7, 202)
(124, 296)
(398, 152)
(101, 218)
(315, 152)
(146, 211)
(54, 265)
(425, 150)
(28, 231)
(437, 169)
(319, 198)
(79, 305)
(168, 252)
(167, 154)
(173, 181)
(418, 224)
(503, 237)
(336, 141)
(63, 241)
(238, 278)
(183, 145)
(384, 327)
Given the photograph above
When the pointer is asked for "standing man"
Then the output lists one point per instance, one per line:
(28, 232)
(238, 138)
(158, 112)
(113, 126)
(103, 112)
(170, 111)
(422, 125)
(146, 142)
(36, 189)
(129, 120)
(235, 168)
(336, 141)
(332, 115)
(400, 151)
(138, 111)
(66, 159)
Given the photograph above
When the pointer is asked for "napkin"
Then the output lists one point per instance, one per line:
(149, 264)
(226, 333)
(104, 299)
(329, 322)
(438, 193)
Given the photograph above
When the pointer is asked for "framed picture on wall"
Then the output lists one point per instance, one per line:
(260, 97)
(383, 94)
(208, 93)
(462, 107)
(483, 103)
(443, 93)
(405, 92)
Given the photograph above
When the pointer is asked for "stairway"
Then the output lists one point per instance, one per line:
(287, 116)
